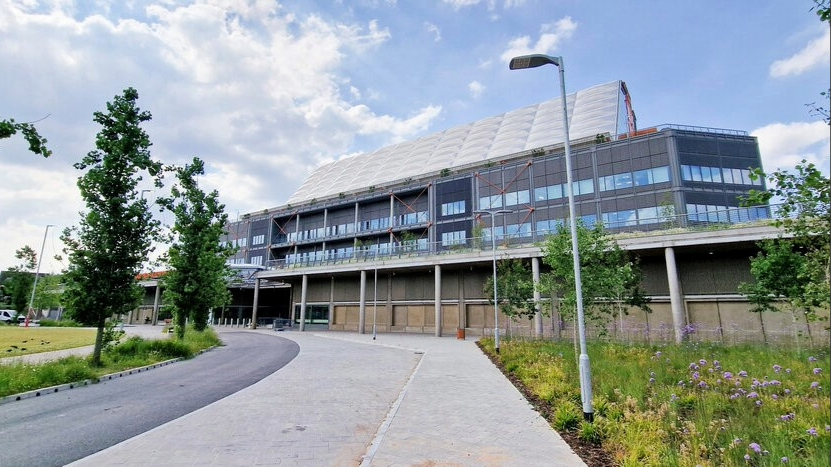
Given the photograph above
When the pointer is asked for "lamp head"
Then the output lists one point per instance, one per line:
(532, 61)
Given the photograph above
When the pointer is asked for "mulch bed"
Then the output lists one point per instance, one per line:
(592, 454)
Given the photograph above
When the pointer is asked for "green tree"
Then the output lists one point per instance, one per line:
(610, 278)
(516, 289)
(795, 268)
(48, 292)
(199, 275)
(19, 279)
(37, 143)
(115, 234)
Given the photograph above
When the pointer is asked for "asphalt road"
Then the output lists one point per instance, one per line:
(59, 428)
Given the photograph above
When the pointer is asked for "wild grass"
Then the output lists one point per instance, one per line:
(686, 405)
(134, 352)
(19, 340)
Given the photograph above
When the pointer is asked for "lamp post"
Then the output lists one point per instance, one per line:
(493, 214)
(533, 61)
(37, 274)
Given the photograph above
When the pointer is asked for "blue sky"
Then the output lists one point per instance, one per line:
(265, 91)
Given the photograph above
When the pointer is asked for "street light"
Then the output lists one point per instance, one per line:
(493, 214)
(37, 274)
(533, 61)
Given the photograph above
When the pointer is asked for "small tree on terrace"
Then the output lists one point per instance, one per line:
(116, 233)
(610, 279)
(199, 275)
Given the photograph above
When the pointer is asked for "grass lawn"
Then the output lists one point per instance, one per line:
(683, 405)
(18, 340)
(132, 352)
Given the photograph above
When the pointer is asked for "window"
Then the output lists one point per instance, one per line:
(490, 202)
(453, 238)
(257, 260)
(258, 240)
(455, 207)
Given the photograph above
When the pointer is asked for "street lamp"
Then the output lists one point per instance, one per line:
(533, 61)
(493, 214)
(37, 274)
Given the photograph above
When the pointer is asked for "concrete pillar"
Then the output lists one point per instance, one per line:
(535, 273)
(679, 317)
(362, 305)
(256, 300)
(303, 289)
(156, 301)
(437, 277)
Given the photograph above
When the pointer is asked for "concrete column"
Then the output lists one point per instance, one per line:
(156, 301)
(362, 306)
(256, 300)
(437, 276)
(303, 289)
(679, 317)
(535, 272)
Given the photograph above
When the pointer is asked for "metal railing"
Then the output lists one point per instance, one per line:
(642, 227)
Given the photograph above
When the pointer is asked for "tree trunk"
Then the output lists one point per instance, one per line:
(99, 341)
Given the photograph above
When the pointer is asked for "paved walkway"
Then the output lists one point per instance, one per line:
(346, 400)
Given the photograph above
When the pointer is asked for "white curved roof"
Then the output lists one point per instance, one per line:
(591, 111)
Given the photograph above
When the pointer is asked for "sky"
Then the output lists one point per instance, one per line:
(265, 91)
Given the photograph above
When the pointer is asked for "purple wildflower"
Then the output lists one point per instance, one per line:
(785, 460)
(755, 447)
(651, 380)
(787, 417)
(777, 368)
(737, 441)
(702, 385)
(758, 403)
(695, 375)
(693, 366)
(753, 395)
(728, 375)
(787, 392)
(775, 382)
(702, 362)
(812, 431)
(812, 359)
(817, 371)
(747, 457)
(815, 385)
(743, 374)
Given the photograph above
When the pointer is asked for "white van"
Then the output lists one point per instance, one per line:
(8, 316)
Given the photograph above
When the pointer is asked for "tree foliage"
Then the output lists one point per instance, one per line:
(37, 143)
(18, 280)
(515, 289)
(610, 278)
(199, 275)
(115, 234)
(796, 266)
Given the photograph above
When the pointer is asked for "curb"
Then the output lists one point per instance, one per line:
(87, 382)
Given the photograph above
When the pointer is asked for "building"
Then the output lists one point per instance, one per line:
(411, 214)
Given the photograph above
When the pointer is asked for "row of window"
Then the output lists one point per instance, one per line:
(504, 200)
(714, 213)
(458, 237)
(581, 187)
(456, 207)
(382, 249)
(258, 239)
(699, 173)
(636, 178)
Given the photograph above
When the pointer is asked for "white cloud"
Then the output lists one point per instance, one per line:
(476, 89)
(551, 36)
(432, 28)
(257, 92)
(814, 54)
(784, 145)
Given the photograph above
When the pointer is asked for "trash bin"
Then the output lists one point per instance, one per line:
(460, 334)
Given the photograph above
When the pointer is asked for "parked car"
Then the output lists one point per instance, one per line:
(11, 316)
